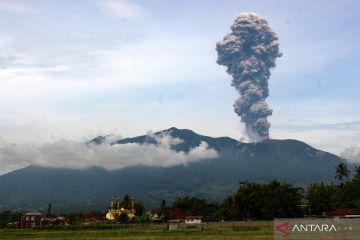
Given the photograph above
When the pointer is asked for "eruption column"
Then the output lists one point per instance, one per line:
(248, 52)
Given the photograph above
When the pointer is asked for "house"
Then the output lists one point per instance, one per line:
(95, 218)
(54, 221)
(30, 220)
(179, 214)
(173, 224)
(193, 219)
(343, 213)
(155, 216)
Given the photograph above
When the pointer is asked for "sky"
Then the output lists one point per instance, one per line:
(77, 69)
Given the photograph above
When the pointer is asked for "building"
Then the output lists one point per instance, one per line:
(173, 224)
(116, 210)
(155, 216)
(94, 218)
(54, 221)
(30, 220)
(193, 219)
(179, 214)
(343, 213)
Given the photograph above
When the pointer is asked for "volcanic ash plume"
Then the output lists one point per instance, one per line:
(249, 52)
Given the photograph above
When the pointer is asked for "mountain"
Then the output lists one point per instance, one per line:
(33, 187)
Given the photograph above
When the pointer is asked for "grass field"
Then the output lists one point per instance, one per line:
(207, 231)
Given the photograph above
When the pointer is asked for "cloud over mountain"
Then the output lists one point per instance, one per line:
(351, 154)
(80, 155)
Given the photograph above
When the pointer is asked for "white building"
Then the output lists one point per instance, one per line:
(193, 219)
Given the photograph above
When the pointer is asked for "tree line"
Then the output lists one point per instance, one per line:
(323, 197)
(252, 200)
(265, 201)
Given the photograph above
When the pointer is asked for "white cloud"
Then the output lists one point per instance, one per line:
(18, 7)
(122, 9)
(26, 71)
(43, 74)
(155, 61)
(78, 155)
(351, 154)
(328, 137)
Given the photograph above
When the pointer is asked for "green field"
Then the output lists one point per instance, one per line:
(227, 230)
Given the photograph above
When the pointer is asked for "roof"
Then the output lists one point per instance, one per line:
(343, 212)
(193, 217)
(32, 214)
(174, 221)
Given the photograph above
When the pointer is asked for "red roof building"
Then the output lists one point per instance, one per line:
(30, 220)
(344, 213)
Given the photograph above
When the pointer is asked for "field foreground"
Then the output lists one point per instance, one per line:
(207, 231)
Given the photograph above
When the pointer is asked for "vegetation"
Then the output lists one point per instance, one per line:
(342, 172)
(327, 197)
(214, 179)
(214, 231)
(250, 203)
(268, 201)
(275, 200)
(7, 217)
(319, 198)
(195, 206)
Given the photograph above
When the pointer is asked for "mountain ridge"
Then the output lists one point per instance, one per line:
(293, 161)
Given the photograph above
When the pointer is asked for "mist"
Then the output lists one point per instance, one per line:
(81, 155)
(351, 154)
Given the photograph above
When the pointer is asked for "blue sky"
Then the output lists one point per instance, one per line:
(75, 69)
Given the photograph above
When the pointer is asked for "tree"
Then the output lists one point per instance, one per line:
(227, 210)
(194, 206)
(267, 201)
(49, 214)
(164, 210)
(342, 172)
(320, 198)
(74, 217)
(357, 172)
(8, 217)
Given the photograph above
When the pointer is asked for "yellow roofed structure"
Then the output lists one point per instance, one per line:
(116, 210)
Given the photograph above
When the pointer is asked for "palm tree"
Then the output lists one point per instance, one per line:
(357, 175)
(357, 171)
(342, 172)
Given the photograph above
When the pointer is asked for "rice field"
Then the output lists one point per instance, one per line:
(206, 231)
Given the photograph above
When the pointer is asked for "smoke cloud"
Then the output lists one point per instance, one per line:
(351, 154)
(79, 155)
(249, 52)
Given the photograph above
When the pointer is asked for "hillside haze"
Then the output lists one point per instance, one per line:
(33, 187)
